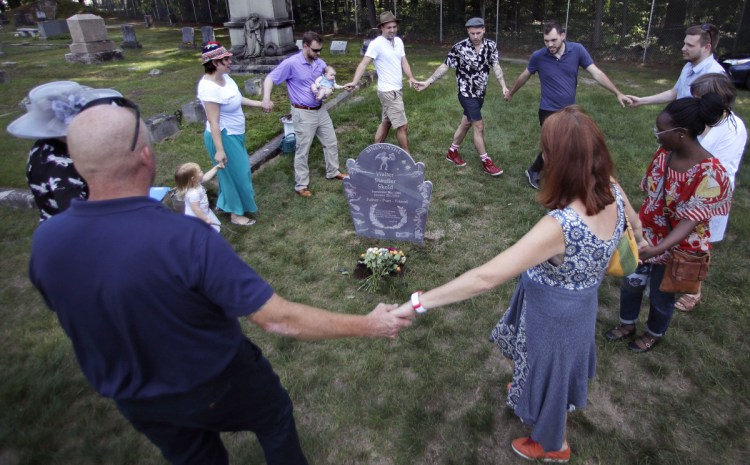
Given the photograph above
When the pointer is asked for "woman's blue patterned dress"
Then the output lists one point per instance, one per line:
(548, 329)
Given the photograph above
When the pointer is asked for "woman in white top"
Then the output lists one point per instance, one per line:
(725, 141)
(225, 133)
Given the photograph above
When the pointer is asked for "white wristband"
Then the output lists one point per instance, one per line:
(416, 304)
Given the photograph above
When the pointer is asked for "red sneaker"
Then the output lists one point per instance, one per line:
(490, 168)
(454, 158)
(529, 449)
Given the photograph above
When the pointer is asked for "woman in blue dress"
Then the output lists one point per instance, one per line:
(548, 329)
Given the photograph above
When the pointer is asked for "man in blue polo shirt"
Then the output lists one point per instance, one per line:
(309, 117)
(557, 64)
(151, 301)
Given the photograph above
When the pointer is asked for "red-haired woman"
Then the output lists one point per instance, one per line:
(548, 329)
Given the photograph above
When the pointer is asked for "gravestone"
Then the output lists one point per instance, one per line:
(387, 194)
(53, 28)
(188, 38)
(207, 32)
(260, 28)
(148, 20)
(161, 126)
(4, 77)
(254, 87)
(91, 43)
(298, 44)
(338, 46)
(194, 112)
(128, 37)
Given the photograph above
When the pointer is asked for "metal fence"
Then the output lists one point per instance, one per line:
(615, 29)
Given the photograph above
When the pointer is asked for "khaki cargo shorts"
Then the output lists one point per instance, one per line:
(393, 107)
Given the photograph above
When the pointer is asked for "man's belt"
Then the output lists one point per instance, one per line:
(303, 107)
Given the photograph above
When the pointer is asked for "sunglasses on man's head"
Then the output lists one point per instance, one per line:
(120, 102)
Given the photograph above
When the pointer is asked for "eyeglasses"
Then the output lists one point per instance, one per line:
(658, 133)
(316, 50)
(707, 29)
(120, 102)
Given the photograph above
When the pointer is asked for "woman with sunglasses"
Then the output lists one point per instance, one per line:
(685, 186)
(225, 133)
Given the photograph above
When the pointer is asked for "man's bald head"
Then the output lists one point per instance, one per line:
(99, 141)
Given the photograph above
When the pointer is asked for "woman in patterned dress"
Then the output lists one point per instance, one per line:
(690, 185)
(548, 329)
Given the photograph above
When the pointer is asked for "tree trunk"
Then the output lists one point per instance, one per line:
(596, 39)
(673, 30)
(371, 13)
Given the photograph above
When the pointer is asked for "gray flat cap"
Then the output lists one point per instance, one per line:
(475, 22)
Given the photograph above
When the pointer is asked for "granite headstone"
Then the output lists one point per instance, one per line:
(387, 194)
(128, 37)
(188, 37)
(207, 33)
(91, 43)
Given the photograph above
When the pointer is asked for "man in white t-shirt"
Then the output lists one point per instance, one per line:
(698, 49)
(387, 52)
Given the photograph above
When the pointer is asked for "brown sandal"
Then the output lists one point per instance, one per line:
(620, 332)
(644, 343)
(688, 302)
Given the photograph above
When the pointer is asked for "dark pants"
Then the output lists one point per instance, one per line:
(661, 305)
(539, 162)
(247, 396)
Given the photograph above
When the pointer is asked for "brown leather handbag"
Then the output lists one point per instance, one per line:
(685, 271)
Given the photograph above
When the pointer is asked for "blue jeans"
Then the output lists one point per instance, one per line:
(247, 396)
(661, 303)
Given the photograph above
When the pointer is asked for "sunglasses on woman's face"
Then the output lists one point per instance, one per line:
(120, 102)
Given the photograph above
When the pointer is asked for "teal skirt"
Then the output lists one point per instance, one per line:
(236, 193)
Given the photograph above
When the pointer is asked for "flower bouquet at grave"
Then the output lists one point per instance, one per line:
(381, 262)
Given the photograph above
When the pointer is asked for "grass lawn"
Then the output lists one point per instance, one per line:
(436, 394)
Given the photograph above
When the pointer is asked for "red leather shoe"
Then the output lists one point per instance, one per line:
(532, 450)
(304, 192)
(340, 176)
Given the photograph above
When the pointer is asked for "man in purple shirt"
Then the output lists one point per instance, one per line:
(309, 117)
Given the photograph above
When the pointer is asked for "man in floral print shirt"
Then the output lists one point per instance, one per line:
(472, 59)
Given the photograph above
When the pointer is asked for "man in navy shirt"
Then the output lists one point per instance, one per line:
(557, 64)
(151, 299)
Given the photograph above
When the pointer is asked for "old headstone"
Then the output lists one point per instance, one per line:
(148, 20)
(338, 46)
(298, 44)
(193, 112)
(188, 37)
(128, 37)
(387, 194)
(254, 86)
(53, 28)
(4, 77)
(260, 27)
(162, 126)
(91, 43)
(207, 33)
